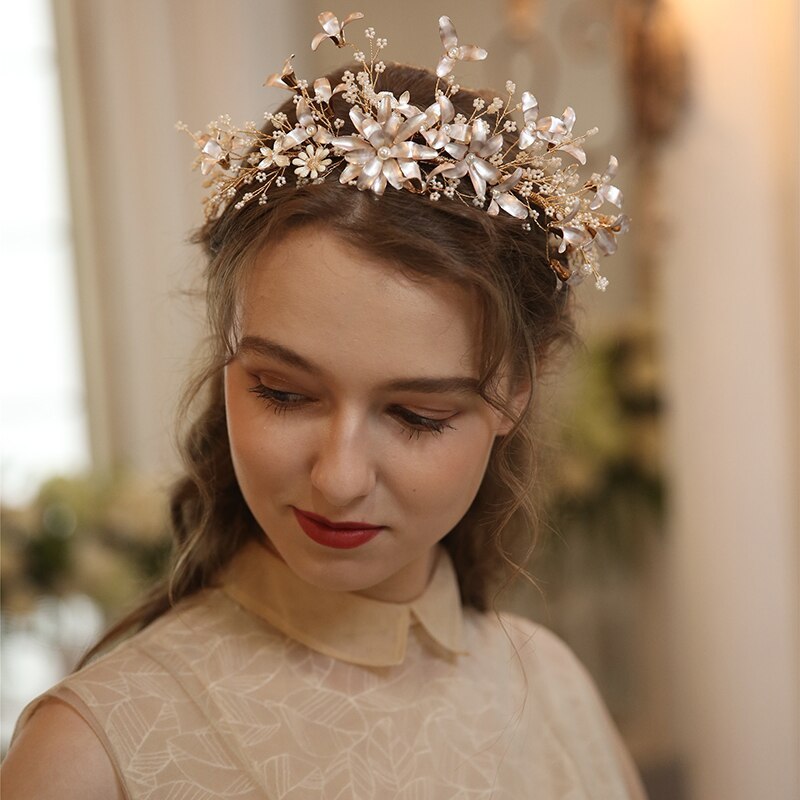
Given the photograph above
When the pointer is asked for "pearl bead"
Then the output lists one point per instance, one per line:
(311, 129)
(453, 53)
(383, 153)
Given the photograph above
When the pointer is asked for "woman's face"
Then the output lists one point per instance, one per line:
(352, 398)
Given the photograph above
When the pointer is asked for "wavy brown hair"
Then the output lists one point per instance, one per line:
(524, 316)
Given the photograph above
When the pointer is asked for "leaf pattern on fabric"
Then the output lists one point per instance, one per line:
(212, 701)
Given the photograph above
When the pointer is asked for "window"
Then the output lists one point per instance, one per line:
(43, 426)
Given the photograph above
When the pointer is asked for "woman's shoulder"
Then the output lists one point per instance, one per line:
(58, 755)
(535, 642)
(563, 694)
(548, 662)
(139, 680)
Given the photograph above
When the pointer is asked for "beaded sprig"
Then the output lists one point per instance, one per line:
(429, 151)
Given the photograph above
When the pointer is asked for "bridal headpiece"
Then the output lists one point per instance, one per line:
(505, 158)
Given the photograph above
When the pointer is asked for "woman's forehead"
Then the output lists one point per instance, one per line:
(331, 302)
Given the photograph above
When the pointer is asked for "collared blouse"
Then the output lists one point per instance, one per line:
(267, 687)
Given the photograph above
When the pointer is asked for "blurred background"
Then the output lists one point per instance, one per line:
(673, 442)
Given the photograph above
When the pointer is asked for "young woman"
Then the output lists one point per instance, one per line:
(389, 270)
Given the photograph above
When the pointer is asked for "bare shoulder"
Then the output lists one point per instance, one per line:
(57, 755)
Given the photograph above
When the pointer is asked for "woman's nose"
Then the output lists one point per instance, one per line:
(343, 469)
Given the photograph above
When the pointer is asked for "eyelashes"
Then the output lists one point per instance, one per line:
(279, 401)
(414, 424)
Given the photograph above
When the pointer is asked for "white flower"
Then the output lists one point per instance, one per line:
(271, 157)
(312, 162)
(333, 29)
(381, 152)
(453, 51)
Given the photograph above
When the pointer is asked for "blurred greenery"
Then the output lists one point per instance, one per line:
(103, 536)
(606, 481)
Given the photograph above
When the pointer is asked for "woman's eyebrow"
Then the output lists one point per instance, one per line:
(265, 347)
(460, 384)
(454, 385)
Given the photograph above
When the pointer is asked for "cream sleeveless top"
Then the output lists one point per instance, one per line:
(266, 687)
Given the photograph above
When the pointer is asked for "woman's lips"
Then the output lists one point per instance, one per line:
(344, 535)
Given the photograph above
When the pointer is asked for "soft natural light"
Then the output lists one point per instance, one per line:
(43, 419)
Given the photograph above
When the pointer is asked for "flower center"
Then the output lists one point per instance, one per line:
(311, 129)
(470, 158)
(384, 153)
(452, 53)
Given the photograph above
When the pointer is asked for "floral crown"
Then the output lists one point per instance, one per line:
(427, 151)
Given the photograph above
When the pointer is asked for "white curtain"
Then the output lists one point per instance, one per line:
(129, 71)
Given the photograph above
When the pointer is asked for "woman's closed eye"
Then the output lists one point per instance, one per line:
(281, 401)
(416, 424)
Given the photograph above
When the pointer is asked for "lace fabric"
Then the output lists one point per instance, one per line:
(217, 699)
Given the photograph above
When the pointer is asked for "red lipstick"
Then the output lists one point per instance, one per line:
(342, 535)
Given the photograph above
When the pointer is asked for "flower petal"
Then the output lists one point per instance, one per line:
(352, 17)
(369, 172)
(605, 242)
(510, 182)
(471, 52)
(436, 138)
(526, 139)
(360, 156)
(330, 23)
(510, 204)
(530, 107)
(492, 146)
(384, 107)
(303, 113)
(457, 150)
(568, 117)
(293, 138)
(487, 171)
(445, 66)
(411, 170)
(322, 90)
(447, 33)
(575, 150)
(350, 143)
(350, 173)
(392, 173)
(457, 169)
(318, 40)
(412, 150)
(410, 127)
